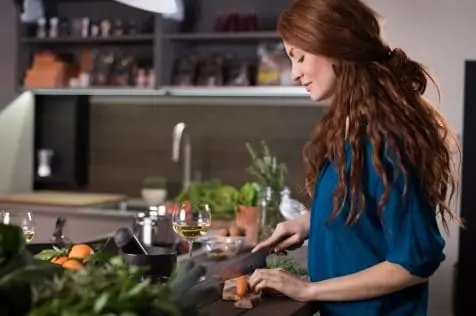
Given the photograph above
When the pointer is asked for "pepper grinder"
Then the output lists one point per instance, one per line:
(44, 162)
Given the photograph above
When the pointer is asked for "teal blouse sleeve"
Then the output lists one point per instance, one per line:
(409, 222)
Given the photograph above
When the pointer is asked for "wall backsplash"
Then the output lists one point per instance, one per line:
(130, 142)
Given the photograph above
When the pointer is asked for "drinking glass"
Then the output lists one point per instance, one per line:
(22, 219)
(191, 221)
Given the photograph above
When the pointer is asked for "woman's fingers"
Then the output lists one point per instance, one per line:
(271, 241)
(287, 243)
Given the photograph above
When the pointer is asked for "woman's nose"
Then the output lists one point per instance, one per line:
(296, 73)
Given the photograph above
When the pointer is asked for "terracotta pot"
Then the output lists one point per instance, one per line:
(247, 219)
(246, 216)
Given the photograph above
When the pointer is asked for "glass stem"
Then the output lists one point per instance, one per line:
(190, 248)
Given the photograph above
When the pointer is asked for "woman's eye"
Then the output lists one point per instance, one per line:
(301, 59)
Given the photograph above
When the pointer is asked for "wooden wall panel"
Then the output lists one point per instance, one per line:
(130, 142)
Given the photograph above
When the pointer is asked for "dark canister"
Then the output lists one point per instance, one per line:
(159, 263)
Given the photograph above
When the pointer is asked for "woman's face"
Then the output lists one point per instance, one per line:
(314, 72)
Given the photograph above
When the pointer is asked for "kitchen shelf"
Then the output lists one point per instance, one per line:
(206, 101)
(168, 41)
(96, 91)
(147, 38)
(228, 92)
(233, 92)
(200, 96)
(221, 36)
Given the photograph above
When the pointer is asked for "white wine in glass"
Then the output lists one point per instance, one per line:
(191, 231)
(191, 221)
(22, 219)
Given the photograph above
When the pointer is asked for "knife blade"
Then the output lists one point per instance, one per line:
(245, 265)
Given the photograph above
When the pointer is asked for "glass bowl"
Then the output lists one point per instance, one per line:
(218, 247)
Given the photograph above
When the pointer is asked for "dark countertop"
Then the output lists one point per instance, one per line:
(276, 305)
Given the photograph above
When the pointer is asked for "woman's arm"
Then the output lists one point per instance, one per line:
(381, 279)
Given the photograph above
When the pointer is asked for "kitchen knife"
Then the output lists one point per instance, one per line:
(245, 265)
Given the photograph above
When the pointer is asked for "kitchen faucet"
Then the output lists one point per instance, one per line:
(177, 136)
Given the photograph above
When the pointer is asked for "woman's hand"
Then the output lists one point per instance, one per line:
(281, 281)
(287, 235)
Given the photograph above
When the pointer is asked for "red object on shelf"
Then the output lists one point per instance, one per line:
(47, 71)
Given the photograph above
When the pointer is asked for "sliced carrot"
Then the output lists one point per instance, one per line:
(241, 286)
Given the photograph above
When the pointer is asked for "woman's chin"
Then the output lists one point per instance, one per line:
(320, 97)
(317, 97)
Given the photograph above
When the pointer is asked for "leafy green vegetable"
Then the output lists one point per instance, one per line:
(47, 254)
(221, 198)
(249, 194)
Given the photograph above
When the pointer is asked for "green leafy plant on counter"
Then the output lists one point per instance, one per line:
(249, 194)
(266, 168)
(221, 198)
(36, 288)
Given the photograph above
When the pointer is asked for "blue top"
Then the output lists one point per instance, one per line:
(406, 234)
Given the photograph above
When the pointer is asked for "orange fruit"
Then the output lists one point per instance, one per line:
(59, 259)
(72, 264)
(80, 251)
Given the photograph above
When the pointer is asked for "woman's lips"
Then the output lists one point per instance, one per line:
(308, 87)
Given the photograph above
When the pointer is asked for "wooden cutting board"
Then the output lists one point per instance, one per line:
(55, 198)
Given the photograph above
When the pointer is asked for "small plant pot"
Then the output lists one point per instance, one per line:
(247, 219)
(153, 196)
(246, 216)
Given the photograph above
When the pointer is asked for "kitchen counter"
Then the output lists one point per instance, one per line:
(81, 222)
(84, 222)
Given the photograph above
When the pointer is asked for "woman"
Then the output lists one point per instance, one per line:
(378, 168)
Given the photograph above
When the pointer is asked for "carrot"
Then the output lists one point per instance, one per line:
(241, 286)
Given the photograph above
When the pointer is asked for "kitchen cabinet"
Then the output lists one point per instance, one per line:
(61, 132)
(230, 30)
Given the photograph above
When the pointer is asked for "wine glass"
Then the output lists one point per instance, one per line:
(24, 220)
(191, 221)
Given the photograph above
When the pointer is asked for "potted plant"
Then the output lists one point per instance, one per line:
(247, 215)
(154, 190)
(270, 174)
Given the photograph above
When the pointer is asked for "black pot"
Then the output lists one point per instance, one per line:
(159, 263)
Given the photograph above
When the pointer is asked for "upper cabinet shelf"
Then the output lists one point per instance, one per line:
(96, 43)
(222, 36)
(125, 39)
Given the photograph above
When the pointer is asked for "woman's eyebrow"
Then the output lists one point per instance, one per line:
(291, 52)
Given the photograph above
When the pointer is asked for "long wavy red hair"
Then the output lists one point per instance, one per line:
(380, 92)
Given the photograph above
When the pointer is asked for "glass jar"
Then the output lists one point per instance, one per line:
(270, 215)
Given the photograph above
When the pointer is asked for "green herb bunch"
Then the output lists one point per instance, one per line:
(29, 286)
(266, 168)
(113, 289)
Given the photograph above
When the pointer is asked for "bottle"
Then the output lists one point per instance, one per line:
(128, 243)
